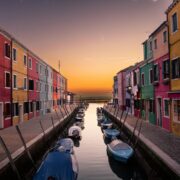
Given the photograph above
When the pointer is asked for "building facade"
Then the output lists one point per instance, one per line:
(173, 17)
(5, 80)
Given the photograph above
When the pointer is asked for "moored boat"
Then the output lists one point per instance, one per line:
(120, 151)
(111, 133)
(74, 132)
(60, 163)
(106, 124)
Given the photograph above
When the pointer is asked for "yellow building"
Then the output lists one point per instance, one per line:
(173, 16)
(19, 83)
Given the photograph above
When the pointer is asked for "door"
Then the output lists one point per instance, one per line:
(1, 116)
(159, 111)
(147, 109)
(20, 113)
(34, 109)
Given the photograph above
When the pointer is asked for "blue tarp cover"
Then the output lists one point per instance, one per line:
(57, 165)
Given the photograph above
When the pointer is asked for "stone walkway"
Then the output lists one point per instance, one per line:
(166, 141)
(30, 130)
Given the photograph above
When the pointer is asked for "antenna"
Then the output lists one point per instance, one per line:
(59, 65)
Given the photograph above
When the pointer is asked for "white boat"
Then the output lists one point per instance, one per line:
(74, 132)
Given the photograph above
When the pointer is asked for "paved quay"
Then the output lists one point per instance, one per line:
(30, 130)
(164, 144)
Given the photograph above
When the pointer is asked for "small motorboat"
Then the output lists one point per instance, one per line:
(120, 151)
(106, 124)
(81, 110)
(58, 164)
(78, 118)
(80, 124)
(66, 143)
(81, 114)
(111, 133)
(74, 132)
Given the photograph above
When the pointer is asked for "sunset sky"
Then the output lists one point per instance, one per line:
(93, 39)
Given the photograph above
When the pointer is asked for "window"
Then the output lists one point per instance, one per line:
(30, 63)
(156, 72)
(135, 78)
(25, 83)
(26, 107)
(14, 81)
(166, 107)
(151, 105)
(155, 44)
(30, 107)
(15, 109)
(174, 22)
(37, 105)
(176, 110)
(150, 76)
(7, 80)
(7, 110)
(176, 68)
(37, 67)
(128, 102)
(7, 50)
(137, 104)
(142, 79)
(25, 60)
(165, 36)
(166, 68)
(14, 54)
(31, 84)
(40, 67)
(150, 45)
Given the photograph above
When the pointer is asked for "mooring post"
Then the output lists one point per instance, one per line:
(25, 147)
(10, 158)
(117, 112)
(61, 112)
(52, 121)
(42, 128)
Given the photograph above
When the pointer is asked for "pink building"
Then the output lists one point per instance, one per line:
(5, 81)
(161, 75)
(33, 85)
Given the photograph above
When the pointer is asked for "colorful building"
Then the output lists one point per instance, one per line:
(135, 84)
(147, 88)
(33, 85)
(55, 88)
(161, 75)
(173, 17)
(115, 90)
(5, 80)
(20, 105)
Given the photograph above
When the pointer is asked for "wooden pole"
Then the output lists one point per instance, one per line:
(25, 147)
(10, 158)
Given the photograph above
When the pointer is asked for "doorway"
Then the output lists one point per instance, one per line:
(34, 109)
(159, 111)
(1, 116)
(20, 113)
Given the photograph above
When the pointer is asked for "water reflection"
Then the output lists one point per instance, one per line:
(91, 152)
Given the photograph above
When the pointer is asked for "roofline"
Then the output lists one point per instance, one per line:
(172, 6)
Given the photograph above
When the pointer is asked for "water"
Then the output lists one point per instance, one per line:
(94, 162)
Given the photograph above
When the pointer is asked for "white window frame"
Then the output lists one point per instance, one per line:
(150, 76)
(5, 51)
(14, 59)
(166, 99)
(13, 108)
(173, 111)
(7, 72)
(30, 63)
(16, 81)
(24, 83)
(26, 60)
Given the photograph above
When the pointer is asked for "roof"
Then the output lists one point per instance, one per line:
(173, 4)
(159, 28)
(123, 70)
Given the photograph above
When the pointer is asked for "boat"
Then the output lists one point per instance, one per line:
(78, 118)
(74, 132)
(80, 124)
(111, 133)
(66, 143)
(106, 124)
(120, 151)
(59, 163)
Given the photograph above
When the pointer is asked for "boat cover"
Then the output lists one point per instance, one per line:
(56, 166)
(74, 128)
(66, 143)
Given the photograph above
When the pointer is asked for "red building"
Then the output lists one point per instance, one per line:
(55, 88)
(5, 81)
(33, 85)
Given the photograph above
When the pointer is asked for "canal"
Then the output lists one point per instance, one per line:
(91, 152)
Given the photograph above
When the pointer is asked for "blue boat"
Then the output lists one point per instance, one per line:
(106, 124)
(59, 164)
(110, 133)
(120, 151)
